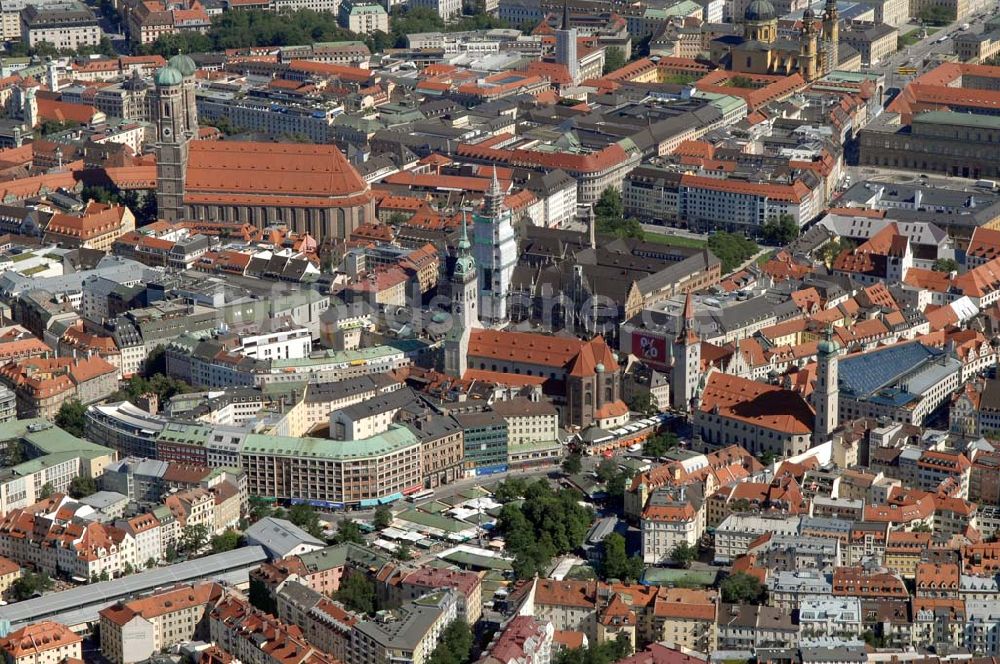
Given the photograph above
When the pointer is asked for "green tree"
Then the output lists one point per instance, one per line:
(82, 486)
(454, 646)
(617, 564)
(573, 464)
(614, 59)
(733, 250)
(597, 653)
(829, 251)
(348, 531)
(403, 551)
(660, 444)
(921, 528)
(547, 523)
(606, 470)
(741, 588)
(193, 537)
(305, 517)
(616, 486)
(150, 563)
(357, 592)
(260, 508)
(609, 213)
(378, 41)
(642, 402)
(683, 555)
(781, 231)
(767, 457)
(127, 569)
(171, 553)
(945, 265)
(72, 417)
(227, 541)
(510, 489)
(30, 584)
(383, 517)
(104, 576)
(741, 82)
(46, 491)
(49, 127)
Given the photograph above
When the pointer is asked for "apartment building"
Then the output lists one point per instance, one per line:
(325, 623)
(44, 642)
(363, 17)
(65, 24)
(356, 472)
(135, 631)
(408, 634)
(255, 637)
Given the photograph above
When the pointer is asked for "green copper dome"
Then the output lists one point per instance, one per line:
(168, 76)
(465, 265)
(184, 64)
(760, 10)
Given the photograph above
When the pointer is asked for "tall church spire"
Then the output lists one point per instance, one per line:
(565, 18)
(494, 197)
(826, 393)
(686, 350)
(463, 240)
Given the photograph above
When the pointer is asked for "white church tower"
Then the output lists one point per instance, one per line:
(686, 372)
(826, 393)
(464, 301)
(495, 252)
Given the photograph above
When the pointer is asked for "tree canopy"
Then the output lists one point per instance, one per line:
(614, 59)
(227, 541)
(383, 517)
(357, 592)
(164, 387)
(609, 213)
(741, 588)
(733, 250)
(454, 646)
(684, 554)
(348, 531)
(72, 417)
(945, 265)
(781, 231)
(617, 564)
(82, 486)
(660, 444)
(573, 463)
(608, 652)
(305, 517)
(30, 584)
(546, 524)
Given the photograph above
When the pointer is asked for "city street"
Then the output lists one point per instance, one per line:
(915, 55)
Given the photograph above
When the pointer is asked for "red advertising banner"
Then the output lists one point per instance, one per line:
(649, 348)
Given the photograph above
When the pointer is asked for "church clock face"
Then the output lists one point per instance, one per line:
(167, 132)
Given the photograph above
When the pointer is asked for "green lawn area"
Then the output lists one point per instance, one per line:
(912, 37)
(765, 257)
(674, 240)
(680, 79)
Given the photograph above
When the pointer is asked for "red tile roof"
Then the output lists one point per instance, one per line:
(767, 406)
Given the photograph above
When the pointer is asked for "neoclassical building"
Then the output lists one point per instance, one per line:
(311, 188)
(759, 51)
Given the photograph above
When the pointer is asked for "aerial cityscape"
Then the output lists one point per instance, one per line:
(500, 332)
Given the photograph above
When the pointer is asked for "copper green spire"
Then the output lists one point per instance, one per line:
(463, 241)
